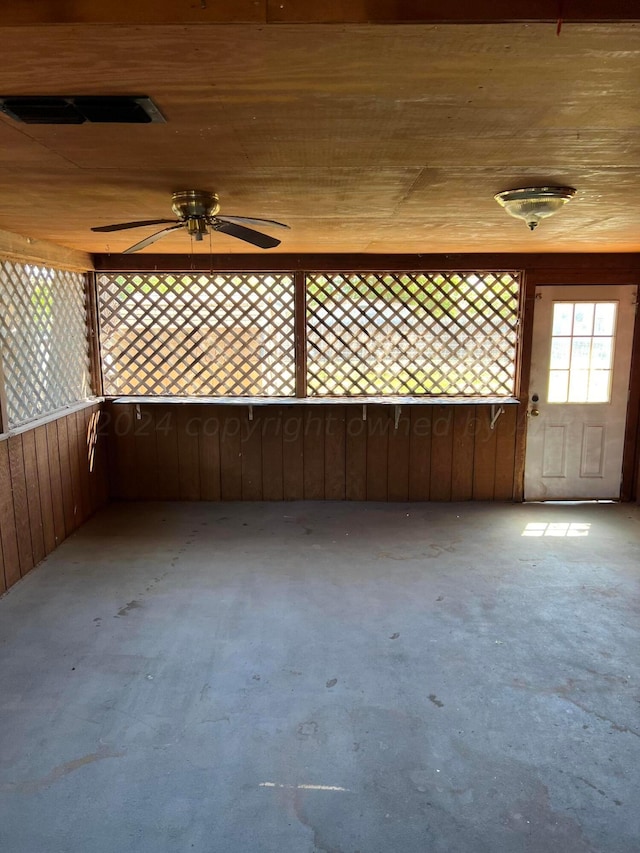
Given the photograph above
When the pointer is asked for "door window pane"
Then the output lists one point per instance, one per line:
(558, 386)
(578, 386)
(562, 318)
(560, 354)
(601, 354)
(580, 353)
(599, 386)
(583, 318)
(605, 318)
(581, 357)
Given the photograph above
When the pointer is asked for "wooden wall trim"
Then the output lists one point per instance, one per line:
(433, 12)
(4, 417)
(93, 334)
(310, 12)
(37, 12)
(630, 487)
(526, 342)
(15, 247)
(52, 478)
(599, 272)
(52, 416)
(300, 333)
(578, 268)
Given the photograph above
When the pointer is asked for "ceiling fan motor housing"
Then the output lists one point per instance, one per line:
(197, 204)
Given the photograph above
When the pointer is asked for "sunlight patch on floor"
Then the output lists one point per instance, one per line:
(565, 529)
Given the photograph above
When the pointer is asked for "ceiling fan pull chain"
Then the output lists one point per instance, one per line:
(560, 20)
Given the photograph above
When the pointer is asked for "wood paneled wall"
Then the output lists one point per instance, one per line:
(539, 269)
(310, 452)
(52, 478)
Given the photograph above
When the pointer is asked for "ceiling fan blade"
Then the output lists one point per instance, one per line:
(247, 220)
(122, 225)
(246, 234)
(152, 239)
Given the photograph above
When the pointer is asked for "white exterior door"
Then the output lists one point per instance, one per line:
(582, 338)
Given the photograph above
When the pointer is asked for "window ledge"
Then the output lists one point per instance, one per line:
(55, 415)
(320, 401)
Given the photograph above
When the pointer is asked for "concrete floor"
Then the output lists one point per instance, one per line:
(289, 678)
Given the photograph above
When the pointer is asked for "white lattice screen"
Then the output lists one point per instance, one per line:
(208, 334)
(411, 333)
(44, 348)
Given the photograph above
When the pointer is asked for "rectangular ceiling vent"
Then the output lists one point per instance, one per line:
(78, 109)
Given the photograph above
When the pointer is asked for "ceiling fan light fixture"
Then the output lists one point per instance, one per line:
(534, 203)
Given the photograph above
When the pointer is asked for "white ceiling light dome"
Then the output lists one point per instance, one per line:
(534, 203)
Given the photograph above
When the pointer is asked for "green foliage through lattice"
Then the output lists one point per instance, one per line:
(412, 333)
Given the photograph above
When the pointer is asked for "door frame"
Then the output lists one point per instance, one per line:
(578, 278)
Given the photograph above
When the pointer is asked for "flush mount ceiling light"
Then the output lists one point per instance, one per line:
(534, 203)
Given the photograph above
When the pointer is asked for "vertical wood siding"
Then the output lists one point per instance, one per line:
(48, 488)
(313, 452)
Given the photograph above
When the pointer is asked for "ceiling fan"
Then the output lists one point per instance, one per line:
(197, 211)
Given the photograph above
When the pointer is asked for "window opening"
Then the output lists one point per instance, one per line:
(412, 333)
(191, 334)
(43, 340)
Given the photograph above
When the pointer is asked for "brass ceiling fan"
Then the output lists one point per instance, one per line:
(197, 211)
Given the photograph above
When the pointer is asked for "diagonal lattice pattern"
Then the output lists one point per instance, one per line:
(44, 346)
(430, 333)
(188, 334)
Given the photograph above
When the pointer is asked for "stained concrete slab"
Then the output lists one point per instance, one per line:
(326, 678)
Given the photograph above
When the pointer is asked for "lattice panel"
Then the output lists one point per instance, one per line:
(196, 334)
(44, 348)
(412, 333)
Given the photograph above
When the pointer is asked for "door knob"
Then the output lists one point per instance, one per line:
(534, 411)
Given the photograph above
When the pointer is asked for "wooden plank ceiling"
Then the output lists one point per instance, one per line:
(364, 137)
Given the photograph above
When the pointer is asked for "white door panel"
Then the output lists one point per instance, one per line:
(582, 340)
